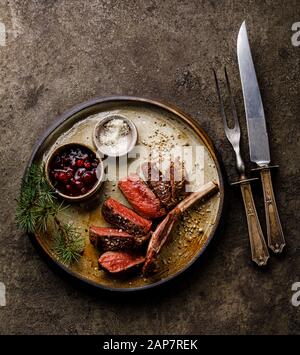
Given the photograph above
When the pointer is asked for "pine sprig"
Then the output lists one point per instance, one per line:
(38, 208)
(68, 243)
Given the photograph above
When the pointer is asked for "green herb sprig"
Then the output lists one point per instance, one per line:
(38, 208)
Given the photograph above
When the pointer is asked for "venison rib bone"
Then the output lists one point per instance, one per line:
(160, 235)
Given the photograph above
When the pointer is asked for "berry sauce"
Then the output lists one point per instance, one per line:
(73, 171)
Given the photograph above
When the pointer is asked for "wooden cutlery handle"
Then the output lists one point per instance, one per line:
(259, 250)
(276, 240)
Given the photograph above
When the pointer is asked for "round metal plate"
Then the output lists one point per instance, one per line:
(156, 122)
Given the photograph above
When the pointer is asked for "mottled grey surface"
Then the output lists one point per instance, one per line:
(60, 53)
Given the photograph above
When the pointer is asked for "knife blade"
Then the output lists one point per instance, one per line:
(258, 137)
(256, 123)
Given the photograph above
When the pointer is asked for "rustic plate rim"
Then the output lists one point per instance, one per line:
(168, 107)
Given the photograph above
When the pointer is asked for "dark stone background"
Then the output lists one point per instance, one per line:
(65, 52)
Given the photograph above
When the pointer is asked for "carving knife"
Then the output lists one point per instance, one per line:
(258, 138)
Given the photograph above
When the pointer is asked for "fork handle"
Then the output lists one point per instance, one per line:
(259, 250)
(276, 241)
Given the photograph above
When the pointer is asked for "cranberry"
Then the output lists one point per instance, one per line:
(80, 163)
(87, 177)
(87, 165)
(62, 176)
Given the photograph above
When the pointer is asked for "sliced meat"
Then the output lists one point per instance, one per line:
(125, 218)
(163, 230)
(114, 239)
(168, 187)
(141, 198)
(159, 184)
(119, 261)
(177, 179)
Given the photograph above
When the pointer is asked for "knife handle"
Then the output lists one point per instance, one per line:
(276, 241)
(259, 250)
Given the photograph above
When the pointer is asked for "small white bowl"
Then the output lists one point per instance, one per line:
(109, 150)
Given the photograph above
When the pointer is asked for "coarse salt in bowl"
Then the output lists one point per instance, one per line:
(115, 135)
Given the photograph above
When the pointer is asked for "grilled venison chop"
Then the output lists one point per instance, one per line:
(125, 218)
(117, 262)
(114, 239)
(164, 228)
(141, 198)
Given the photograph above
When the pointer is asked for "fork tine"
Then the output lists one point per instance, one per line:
(222, 109)
(232, 104)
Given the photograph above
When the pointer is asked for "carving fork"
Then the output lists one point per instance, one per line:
(259, 250)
